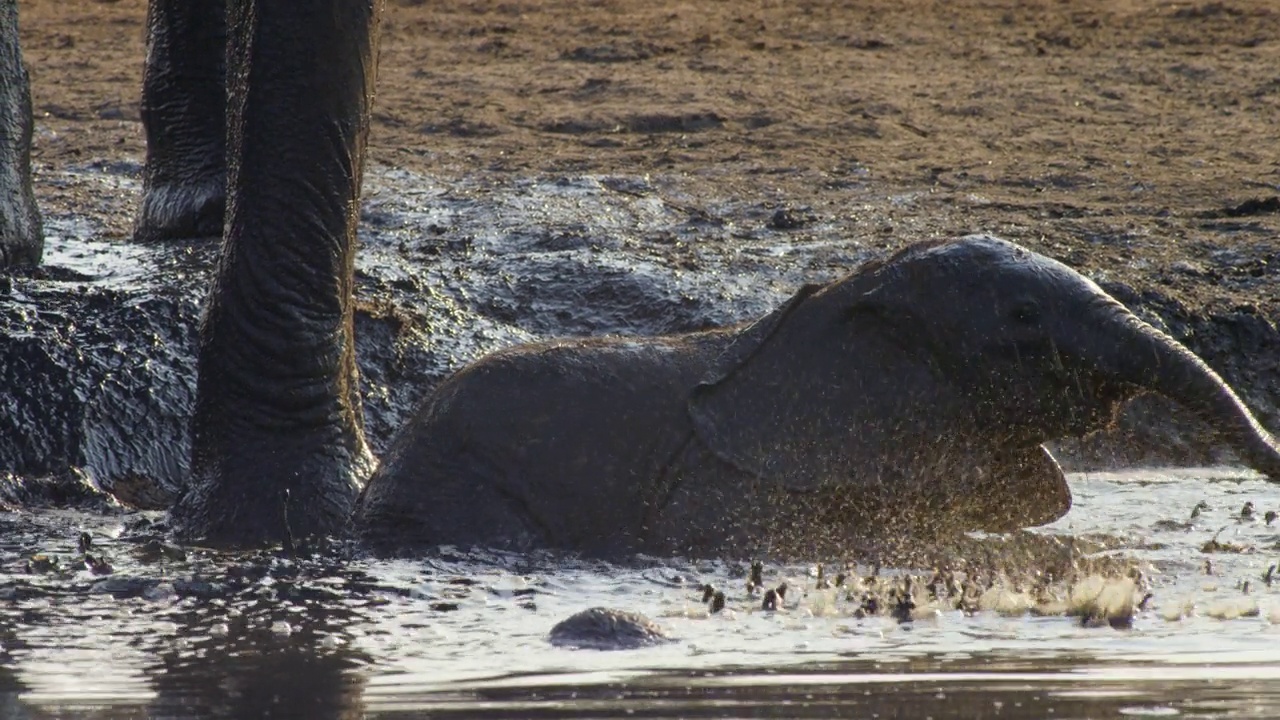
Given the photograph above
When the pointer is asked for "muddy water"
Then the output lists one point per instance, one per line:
(465, 635)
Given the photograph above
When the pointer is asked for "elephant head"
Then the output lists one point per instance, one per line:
(937, 373)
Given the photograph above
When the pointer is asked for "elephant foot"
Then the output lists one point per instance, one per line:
(23, 244)
(182, 211)
(21, 228)
(241, 502)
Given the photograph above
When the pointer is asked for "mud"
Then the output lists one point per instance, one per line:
(574, 168)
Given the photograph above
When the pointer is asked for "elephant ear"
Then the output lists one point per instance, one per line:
(783, 401)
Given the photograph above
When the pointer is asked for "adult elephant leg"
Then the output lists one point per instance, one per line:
(1021, 488)
(278, 444)
(184, 185)
(21, 233)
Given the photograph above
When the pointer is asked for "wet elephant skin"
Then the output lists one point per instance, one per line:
(914, 393)
(278, 443)
(184, 117)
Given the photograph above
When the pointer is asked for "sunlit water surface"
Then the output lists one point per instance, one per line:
(465, 636)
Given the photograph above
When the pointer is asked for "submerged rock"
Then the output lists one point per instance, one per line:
(607, 629)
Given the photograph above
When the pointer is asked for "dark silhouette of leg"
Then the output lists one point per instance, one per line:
(184, 116)
(21, 233)
(278, 441)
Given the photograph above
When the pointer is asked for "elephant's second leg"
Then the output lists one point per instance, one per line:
(277, 432)
(184, 116)
(21, 235)
(1022, 488)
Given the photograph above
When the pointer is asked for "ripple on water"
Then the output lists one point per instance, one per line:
(460, 631)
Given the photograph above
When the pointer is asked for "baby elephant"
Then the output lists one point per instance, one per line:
(913, 394)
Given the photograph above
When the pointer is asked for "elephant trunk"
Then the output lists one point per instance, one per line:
(1160, 364)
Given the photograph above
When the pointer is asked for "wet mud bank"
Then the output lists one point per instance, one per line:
(97, 346)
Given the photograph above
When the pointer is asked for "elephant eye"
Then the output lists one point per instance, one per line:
(1027, 312)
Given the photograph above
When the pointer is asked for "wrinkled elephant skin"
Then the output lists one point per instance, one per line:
(21, 231)
(913, 394)
(278, 446)
(184, 116)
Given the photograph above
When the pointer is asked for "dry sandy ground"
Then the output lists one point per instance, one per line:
(1137, 140)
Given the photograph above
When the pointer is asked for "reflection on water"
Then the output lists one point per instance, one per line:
(274, 680)
(465, 636)
(973, 688)
(286, 680)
